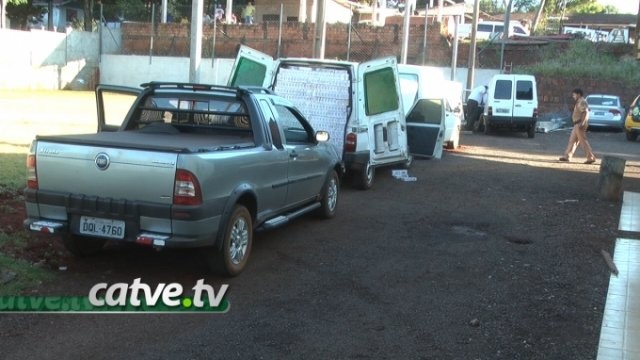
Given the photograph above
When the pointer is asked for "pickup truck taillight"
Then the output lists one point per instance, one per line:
(32, 177)
(350, 142)
(186, 189)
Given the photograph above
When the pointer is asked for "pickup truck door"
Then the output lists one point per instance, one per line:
(251, 68)
(381, 109)
(425, 127)
(307, 168)
(113, 104)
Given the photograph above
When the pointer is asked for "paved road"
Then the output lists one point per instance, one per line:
(494, 253)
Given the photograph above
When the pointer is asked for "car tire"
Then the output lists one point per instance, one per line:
(478, 126)
(330, 196)
(631, 136)
(237, 241)
(81, 245)
(486, 128)
(409, 163)
(531, 132)
(365, 177)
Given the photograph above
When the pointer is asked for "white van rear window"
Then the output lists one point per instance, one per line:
(503, 90)
(524, 90)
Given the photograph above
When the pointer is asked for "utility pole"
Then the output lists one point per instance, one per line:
(197, 8)
(505, 33)
(408, 11)
(638, 35)
(472, 46)
(319, 37)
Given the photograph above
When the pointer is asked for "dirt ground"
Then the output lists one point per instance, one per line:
(493, 253)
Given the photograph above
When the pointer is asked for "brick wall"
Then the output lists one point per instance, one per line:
(366, 43)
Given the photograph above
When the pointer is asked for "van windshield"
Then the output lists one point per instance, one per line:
(503, 90)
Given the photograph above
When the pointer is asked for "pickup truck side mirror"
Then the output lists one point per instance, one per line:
(322, 136)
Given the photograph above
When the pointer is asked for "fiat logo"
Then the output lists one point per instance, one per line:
(102, 161)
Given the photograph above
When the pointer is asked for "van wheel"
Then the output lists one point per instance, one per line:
(82, 245)
(531, 132)
(407, 164)
(329, 201)
(364, 179)
(236, 244)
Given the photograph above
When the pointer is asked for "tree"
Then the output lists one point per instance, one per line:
(21, 11)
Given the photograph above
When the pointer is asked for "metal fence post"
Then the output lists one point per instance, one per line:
(349, 31)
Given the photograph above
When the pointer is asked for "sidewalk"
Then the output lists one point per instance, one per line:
(620, 332)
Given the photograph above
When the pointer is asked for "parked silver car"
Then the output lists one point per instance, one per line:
(606, 111)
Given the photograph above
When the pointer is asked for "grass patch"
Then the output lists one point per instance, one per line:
(28, 276)
(13, 172)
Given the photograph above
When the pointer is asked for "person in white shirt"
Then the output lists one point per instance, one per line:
(475, 104)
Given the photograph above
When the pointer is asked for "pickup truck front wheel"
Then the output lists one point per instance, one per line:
(330, 191)
(236, 244)
(81, 245)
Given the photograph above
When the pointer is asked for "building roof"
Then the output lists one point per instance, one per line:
(602, 20)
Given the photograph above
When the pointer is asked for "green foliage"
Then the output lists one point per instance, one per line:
(21, 12)
(585, 59)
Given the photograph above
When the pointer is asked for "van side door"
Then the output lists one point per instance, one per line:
(425, 127)
(251, 68)
(380, 109)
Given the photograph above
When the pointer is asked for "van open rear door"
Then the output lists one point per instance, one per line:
(251, 68)
(381, 108)
(425, 127)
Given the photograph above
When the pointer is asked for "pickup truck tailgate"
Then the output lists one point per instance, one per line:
(132, 174)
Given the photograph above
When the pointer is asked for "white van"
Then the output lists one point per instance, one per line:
(358, 104)
(419, 82)
(512, 102)
(489, 30)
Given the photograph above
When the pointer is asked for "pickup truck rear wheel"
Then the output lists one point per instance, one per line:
(82, 245)
(236, 243)
(329, 201)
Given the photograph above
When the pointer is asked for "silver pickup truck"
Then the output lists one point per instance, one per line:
(191, 165)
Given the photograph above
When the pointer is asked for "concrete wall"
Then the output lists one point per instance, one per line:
(52, 60)
(133, 70)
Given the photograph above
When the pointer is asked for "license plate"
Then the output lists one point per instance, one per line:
(502, 111)
(109, 228)
(598, 113)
